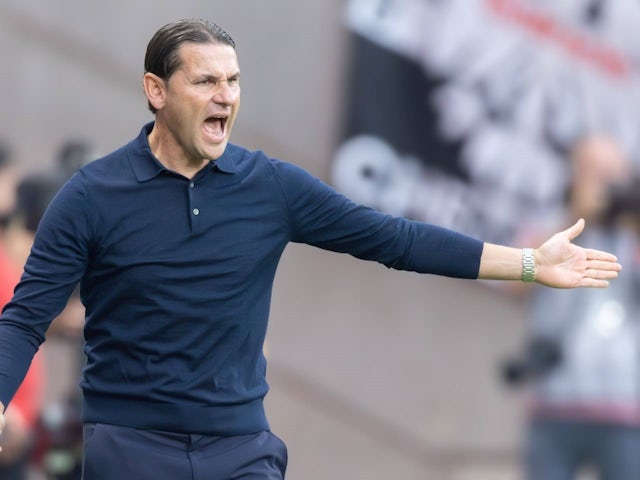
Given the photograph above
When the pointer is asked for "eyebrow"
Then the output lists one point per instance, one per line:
(210, 76)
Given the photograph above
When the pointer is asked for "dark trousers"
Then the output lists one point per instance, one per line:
(119, 453)
(558, 449)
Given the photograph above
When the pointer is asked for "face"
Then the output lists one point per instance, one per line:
(598, 165)
(200, 101)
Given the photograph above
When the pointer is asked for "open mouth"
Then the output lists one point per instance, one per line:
(215, 127)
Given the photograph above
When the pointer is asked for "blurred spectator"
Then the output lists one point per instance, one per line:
(72, 155)
(583, 357)
(8, 182)
(22, 414)
(54, 428)
(33, 196)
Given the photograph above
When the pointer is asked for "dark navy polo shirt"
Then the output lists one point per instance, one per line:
(176, 275)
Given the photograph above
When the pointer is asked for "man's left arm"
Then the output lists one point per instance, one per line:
(324, 218)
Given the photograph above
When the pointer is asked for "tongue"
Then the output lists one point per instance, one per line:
(213, 128)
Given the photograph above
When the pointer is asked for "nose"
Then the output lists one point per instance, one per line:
(225, 93)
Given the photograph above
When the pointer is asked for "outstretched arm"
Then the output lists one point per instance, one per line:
(557, 262)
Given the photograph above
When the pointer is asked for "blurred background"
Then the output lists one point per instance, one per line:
(458, 112)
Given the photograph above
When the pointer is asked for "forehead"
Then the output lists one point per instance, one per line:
(209, 57)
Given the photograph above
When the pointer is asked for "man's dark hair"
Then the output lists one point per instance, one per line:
(33, 196)
(162, 57)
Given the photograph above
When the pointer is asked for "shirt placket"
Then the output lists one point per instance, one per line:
(196, 194)
(195, 205)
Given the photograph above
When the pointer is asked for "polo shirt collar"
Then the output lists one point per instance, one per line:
(227, 162)
(146, 166)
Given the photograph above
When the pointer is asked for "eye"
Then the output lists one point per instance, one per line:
(205, 82)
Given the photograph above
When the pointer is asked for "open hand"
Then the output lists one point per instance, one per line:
(562, 264)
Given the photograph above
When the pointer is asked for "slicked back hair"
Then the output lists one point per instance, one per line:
(162, 57)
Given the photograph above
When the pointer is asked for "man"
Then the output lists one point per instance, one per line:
(175, 238)
(585, 400)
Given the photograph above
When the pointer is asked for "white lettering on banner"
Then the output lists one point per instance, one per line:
(521, 81)
(371, 172)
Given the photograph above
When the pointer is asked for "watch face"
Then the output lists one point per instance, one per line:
(461, 112)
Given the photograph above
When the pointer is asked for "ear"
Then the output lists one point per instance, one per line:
(155, 89)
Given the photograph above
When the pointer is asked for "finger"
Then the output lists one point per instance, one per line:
(601, 274)
(575, 230)
(600, 255)
(603, 265)
(593, 283)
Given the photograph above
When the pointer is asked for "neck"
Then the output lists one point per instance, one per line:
(171, 155)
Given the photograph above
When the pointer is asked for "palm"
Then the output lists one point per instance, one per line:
(562, 264)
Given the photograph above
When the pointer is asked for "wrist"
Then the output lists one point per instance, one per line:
(528, 265)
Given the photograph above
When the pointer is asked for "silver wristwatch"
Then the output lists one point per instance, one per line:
(528, 265)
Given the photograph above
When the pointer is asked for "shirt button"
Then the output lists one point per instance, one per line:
(196, 211)
(192, 184)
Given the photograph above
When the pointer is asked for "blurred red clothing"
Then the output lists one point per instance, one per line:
(27, 402)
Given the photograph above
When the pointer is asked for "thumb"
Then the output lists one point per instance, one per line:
(575, 230)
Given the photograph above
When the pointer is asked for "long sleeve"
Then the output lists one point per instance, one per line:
(326, 219)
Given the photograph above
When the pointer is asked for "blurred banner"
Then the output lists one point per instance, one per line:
(460, 112)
